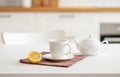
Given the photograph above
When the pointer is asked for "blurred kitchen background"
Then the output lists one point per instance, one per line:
(101, 24)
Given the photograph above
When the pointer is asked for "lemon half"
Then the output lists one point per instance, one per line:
(35, 57)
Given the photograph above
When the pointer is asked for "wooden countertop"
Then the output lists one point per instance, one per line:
(58, 9)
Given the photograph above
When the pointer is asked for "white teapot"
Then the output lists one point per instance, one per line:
(90, 46)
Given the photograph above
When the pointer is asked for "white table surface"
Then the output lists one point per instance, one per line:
(106, 63)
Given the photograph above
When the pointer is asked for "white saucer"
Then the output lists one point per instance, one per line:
(66, 57)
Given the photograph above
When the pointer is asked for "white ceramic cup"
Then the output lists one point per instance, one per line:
(58, 48)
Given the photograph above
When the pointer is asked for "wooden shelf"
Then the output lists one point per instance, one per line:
(17, 9)
(57, 9)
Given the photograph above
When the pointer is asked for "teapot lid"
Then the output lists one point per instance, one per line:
(91, 39)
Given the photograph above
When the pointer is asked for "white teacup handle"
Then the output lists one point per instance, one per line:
(69, 49)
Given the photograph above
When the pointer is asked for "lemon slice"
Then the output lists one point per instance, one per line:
(35, 57)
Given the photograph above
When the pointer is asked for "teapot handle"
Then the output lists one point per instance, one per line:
(105, 42)
(104, 46)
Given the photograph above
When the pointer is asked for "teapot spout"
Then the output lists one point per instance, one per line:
(77, 42)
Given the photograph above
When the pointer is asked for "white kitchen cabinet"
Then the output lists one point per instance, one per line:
(109, 17)
(95, 22)
(74, 24)
(16, 22)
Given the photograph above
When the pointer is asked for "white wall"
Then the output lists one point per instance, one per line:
(89, 3)
(10, 3)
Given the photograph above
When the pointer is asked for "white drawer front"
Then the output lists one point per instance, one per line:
(16, 22)
(74, 24)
